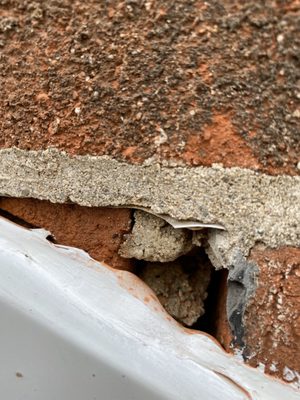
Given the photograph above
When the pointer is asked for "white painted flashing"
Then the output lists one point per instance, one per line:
(75, 329)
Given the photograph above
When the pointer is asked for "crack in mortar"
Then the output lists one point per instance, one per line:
(252, 206)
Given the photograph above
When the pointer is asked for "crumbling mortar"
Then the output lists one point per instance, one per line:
(251, 206)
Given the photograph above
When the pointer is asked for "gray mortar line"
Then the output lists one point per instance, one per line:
(253, 207)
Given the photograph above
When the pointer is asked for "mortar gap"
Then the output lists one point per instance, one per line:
(214, 304)
(16, 220)
(214, 320)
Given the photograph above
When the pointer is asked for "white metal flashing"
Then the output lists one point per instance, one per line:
(72, 328)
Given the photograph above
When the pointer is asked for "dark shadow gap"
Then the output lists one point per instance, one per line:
(215, 304)
(17, 220)
(23, 223)
(214, 320)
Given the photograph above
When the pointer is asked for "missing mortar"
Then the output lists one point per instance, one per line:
(174, 264)
(171, 261)
(189, 289)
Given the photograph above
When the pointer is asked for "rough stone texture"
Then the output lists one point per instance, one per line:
(153, 239)
(272, 318)
(251, 206)
(99, 231)
(188, 80)
(180, 287)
